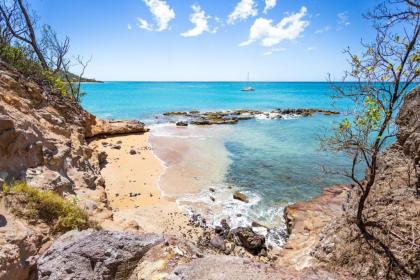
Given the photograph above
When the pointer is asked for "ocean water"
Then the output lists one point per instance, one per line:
(274, 162)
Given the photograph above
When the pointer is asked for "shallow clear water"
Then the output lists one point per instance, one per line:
(143, 100)
(275, 162)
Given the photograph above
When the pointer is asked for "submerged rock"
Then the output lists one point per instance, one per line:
(241, 197)
(181, 124)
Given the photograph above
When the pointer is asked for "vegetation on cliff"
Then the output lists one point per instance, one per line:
(385, 74)
(37, 52)
(34, 204)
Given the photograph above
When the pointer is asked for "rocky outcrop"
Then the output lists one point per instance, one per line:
(19, 243)
(234, 268)
(94, 255)
(234, 116)
(43, 142)
(305, 221)
(96, 128)
(391, 212)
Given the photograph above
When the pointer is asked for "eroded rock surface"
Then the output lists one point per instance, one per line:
(392, 211)
(305, 221)
(94, 255)
(96, 128)
(234, 268)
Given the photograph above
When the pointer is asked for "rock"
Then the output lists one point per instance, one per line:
(408, 135)
(224, 224)
(44, 178)
(175, 114)
(181, 124)
(133, 152)
(236, 268)
(241, 197)
(116, 147)
(212, 198)
(263, 231)
(218, 229)
(97, 128)
(201, 122)
(6, 124)
(217, 242)
(93, 254)
(305, 221)
(212, 189)
(102, 159)
(249, 240)
(263, 253)
(229, 247)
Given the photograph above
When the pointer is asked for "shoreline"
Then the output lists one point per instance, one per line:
(132, 174)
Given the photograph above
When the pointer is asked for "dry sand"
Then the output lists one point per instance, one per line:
(132, 177)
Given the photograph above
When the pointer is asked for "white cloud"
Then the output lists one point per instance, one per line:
(269, 4)
(162, 13)
(323, 29)
(143, 24)
(311, 48)
(243, 10)
(200, 20)
(129, 27)
(273, 50)
(289, 28)
(343, 20)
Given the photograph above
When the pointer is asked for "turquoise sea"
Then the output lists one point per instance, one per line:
(277, 162)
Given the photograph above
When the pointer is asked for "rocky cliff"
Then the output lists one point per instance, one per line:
(43, 137)
(392, 212)
(43, 140)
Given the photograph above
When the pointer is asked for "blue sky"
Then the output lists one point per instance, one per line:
(210, 40)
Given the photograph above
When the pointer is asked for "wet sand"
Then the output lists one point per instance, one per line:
(195, 157)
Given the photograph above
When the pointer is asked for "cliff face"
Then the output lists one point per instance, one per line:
(43, 140)
(392, 212)
(43, 136)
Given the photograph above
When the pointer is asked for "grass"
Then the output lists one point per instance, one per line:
(34, 204)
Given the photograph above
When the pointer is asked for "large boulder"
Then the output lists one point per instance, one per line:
(248, 239)
(94, 254)
(97, 128)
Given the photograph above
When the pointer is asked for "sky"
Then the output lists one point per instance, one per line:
(210, 40)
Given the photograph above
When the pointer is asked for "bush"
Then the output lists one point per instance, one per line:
(35, 204)
(20, 59)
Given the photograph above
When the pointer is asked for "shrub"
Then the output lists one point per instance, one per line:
(20, 58)
(35, 204)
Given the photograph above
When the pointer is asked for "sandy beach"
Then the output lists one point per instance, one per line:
(132, 175)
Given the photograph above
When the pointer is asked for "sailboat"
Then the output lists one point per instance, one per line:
(247, 87)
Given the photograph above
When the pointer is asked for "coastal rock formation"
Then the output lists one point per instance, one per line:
(19, 242)
(94, 255)
(235, 268)
(392, 212)
(43, 142)
(305, 221)
(96, 128)
(43, 136)
(234, 116)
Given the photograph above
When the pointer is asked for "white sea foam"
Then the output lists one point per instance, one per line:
(237, 213)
